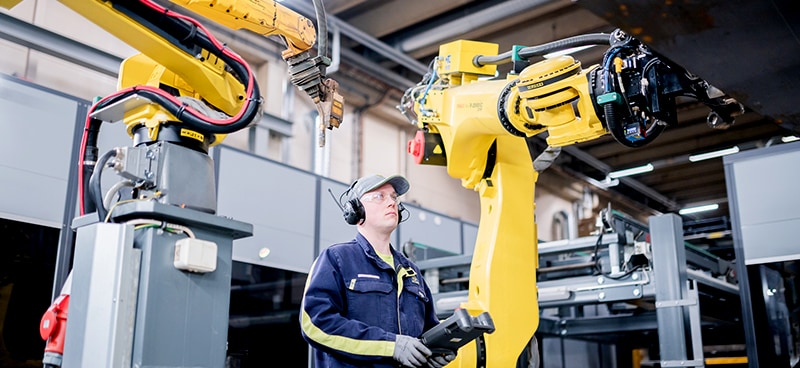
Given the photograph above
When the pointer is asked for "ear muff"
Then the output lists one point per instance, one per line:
(353, 211)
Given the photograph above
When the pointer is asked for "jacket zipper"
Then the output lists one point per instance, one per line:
(399, 292)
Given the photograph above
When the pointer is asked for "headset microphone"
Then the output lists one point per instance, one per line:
(400, 211)
(334, 199)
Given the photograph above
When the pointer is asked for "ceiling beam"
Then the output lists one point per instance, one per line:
(392, 16)
(363, 38)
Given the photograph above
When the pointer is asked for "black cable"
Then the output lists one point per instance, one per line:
(322, 24)
(193, 121)
(624, 275)
(531, 51)
(90, 151)
(566, 43)
(184, 36)
(95, 192)
(597, 269)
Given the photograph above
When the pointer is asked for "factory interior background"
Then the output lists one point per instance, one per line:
(739, 257)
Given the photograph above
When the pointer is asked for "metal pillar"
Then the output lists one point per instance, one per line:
(676, 299)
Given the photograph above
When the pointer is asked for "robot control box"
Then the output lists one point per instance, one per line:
(456, 331)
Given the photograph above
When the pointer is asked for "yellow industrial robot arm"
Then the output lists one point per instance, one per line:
(476, 124)
(181, 59)
(271, 18)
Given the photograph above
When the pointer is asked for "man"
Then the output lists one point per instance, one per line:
(365, 304)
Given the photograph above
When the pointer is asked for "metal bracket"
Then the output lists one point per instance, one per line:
(682, 363)
(676, 303)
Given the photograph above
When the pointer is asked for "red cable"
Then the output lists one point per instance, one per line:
(220, 46)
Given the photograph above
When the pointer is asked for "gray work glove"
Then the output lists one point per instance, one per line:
(441, 360)
(410, 351)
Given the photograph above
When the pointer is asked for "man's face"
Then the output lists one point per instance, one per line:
(380, 208)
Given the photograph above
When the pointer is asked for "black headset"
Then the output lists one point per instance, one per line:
(353, 210)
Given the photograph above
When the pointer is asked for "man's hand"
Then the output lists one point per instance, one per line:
(441, 360)
(410, 352)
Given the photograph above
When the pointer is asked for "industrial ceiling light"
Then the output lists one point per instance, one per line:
(632, 171)
(789, 138)
(707, 207)
(708, 155)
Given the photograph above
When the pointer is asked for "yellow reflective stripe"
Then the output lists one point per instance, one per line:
(346, 344)
(401, 274)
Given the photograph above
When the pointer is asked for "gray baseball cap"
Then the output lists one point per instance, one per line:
(371, 182)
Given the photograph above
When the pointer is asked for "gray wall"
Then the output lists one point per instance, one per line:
(42, 129)
(294, 216)
(292, 212)
(38, 130)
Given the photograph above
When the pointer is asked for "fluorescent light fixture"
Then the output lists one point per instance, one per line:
(708, 155)
(631, 171)
(568, 51)
(789, 138)
(708, 207)
(605, 184)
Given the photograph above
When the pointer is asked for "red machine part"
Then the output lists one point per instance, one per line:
(53, 327)
(416, 147)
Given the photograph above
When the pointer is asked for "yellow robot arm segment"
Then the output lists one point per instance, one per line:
(482, 128)
(263, 17)
(469, 112)
(482, 125)
(554, 94)
(203, 72)
(8, 4)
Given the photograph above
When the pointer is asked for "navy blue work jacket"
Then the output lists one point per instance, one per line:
(352, 310)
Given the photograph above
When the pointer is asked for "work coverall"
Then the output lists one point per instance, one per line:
(352, 310)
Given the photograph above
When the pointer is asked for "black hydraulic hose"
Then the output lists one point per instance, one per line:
(531, 51)
(192, 121)
(610, 114)
(576, 41)
(322, 31)
(89, 161)
(185, 36)
(598, 269)
(95, 192)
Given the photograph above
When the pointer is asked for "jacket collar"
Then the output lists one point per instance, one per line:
(399, 258)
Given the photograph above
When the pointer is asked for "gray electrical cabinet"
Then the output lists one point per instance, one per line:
(765, 207)
(765, 215)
